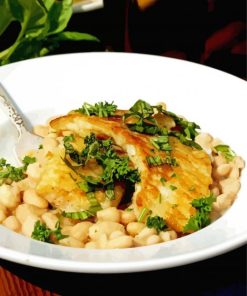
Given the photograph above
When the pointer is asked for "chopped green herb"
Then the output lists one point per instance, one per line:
(160, 198)
(188, 129)
(157, 161)
(70, 150)
(226, 151)
(201, 218)
(82, 215)
(161, 143)
(172, 187)
(40, 146)
(143, 214)
(94, 204)
(57, 232)
(129, 209)
(9, 173)
(173, 175)
(163, 181)
(42, 233)
(184, 140)
(101, 109)
(156, 222)
(140, 118)
(28, 160)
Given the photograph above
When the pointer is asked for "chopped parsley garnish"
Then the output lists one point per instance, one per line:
(158, 160)
(163, 181)
(141, 118)
(156, 222)
(82, 215)
(143, 214)
(70, 150)
(184, 140)
(101, 109)
(201, 218)
(9, 173)
(161, 143)
(115, 168)
(28, 160)
(226, 151)
(172, 187)
(42, 233)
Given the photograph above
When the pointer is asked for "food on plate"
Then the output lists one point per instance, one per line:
(110, 178)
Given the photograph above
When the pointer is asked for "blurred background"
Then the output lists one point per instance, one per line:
(210, 32)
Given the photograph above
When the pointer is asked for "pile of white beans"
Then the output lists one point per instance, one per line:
(21, 207)
(226, 175)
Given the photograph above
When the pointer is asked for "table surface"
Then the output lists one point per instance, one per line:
(221, 275)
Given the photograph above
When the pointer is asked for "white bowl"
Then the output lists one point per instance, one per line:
(54, 85)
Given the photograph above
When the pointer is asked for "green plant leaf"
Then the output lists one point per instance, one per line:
(74, 36)
(59, 15)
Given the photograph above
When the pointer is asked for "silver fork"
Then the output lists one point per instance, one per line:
(26, 139)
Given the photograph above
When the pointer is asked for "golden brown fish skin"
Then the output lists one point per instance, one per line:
(185, 182)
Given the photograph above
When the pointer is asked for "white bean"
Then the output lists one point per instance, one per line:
(115, 234)
(146, 232)
(28, 225)
(239, 162)
(223, 170)
(102, 241)
(223, 202)
(104, 227)
(127, 217)
(25, 210)
(66, 230)
(71, 242)
(8, 197)
(123, 241)
(230, 186)
(67, 221)
(205, 140)
(173, 234)
(134, 228)
(110, 214)
(91, 245)
(141, 238)
(34, 171)
(215, 190)
(80, 231)
(168, 235)
(153, 239)
(12, 223)
(219, 160)
(234, 173)
(50, 220)
(31, 197)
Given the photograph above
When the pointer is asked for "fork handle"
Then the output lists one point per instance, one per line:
(11, 109)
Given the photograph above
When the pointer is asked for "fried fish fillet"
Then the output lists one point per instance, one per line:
(58, 184)
(165, 190)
